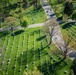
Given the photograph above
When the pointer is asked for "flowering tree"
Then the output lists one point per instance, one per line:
(11, 22)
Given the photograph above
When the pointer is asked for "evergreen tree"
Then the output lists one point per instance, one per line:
(25, 3)
(68, 9)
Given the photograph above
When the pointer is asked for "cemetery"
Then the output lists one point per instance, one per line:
(37, 37)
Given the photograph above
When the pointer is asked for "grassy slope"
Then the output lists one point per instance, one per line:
(30, 48)
(69, 32)
(30, 15)
(34, 17)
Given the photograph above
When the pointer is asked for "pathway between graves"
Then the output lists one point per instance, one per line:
(19, 27)
(57, 37)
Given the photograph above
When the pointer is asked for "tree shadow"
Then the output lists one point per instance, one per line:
(17, 32)
(68, 25)
(4, 33)
(49, 68)
(28, 56)
(40, 38)
(59, 20)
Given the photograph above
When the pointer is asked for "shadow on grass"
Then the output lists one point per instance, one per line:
(67, 25)
(4, 33)
(40, 38)
(47, 68)
(28, 56)
(52, 69)
(17, 32)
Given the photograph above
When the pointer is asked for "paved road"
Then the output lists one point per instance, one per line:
(57, 37)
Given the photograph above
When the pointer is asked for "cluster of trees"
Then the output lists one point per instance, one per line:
(74, 67)
(67, 11)
(7, 5)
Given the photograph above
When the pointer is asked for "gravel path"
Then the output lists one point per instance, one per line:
(19, 27)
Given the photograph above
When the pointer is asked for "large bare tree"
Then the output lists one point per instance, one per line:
(67, 47)
(49, 28)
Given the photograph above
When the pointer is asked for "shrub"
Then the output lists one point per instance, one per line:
(68, 9)
(24, 24)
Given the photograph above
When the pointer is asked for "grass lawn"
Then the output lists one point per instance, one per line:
(30, 15)
(69, 31)
(29, 49)
(58, 8)
(35, 16)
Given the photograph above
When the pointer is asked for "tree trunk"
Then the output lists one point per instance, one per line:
(65, 54)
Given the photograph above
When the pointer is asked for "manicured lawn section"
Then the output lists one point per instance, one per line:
(69, 31)
(30, 15)
(35, 16)
(30, 49)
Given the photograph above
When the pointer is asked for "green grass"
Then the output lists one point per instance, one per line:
(35, 16)
(31, 48)
(30, 15)
(58, 8)
(69, 31)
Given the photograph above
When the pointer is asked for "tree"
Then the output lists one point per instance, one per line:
(74, 66)
(24, 24)
(71, 73)
(65, 17)
(20, 13)
(68, 9)
(66, 47)
(49, 28)
(4, 8)
(11, 22)
(74, 15)
(36, 4)
(58, 1)
(25, 3)
(0, 25)
(34, 72)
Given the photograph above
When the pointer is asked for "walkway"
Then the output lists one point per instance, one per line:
(57, 37)
(19, 27)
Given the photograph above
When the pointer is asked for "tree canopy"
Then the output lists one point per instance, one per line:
(68, 9)
(11, 21)
(74, 15)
